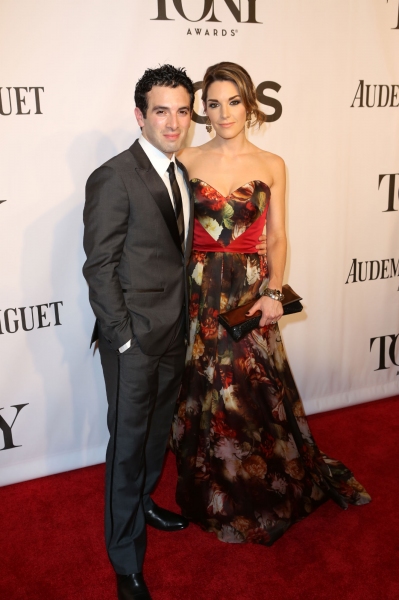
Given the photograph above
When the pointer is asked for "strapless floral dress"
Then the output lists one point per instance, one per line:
(248, 466)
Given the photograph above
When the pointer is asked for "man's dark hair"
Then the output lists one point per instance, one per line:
(165, 76)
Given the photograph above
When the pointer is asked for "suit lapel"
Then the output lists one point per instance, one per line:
(157, 189)
(189, 240)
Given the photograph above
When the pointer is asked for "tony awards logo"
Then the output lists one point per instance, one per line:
(387, 351)
(392, 186)
(6, 428)
(207, 8)
(397, 24)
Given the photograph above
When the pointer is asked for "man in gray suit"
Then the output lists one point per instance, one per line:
(138, 221)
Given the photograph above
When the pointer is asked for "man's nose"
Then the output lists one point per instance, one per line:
(172, 121)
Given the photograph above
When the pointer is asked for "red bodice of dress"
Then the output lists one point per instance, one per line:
(244, 243)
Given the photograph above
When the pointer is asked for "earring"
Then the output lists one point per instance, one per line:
(208, 125)
(249, 120)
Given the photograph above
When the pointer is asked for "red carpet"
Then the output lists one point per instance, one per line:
(51, 536)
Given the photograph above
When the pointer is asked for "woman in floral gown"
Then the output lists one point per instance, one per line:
(248, 466)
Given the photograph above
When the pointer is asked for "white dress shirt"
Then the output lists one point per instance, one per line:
(161, 162)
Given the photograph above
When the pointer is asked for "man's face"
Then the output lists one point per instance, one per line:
(168, 118)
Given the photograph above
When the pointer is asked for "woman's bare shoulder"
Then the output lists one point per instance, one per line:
(271, 165)
(272, 160)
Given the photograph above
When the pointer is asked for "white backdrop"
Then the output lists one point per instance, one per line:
(67, 78)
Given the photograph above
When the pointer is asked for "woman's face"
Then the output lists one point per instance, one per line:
(225, 109)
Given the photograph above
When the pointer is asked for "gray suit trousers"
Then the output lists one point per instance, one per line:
(141, 392)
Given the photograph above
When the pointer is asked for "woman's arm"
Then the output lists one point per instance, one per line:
(276, 243)
(276, 240)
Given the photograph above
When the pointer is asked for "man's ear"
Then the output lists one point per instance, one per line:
(139, 117)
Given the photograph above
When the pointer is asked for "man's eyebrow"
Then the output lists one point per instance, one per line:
(232, 98)
(158, 107)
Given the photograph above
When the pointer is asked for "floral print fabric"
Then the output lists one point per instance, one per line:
(226, 218)
(248, 467)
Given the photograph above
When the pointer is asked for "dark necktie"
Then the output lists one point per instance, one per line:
(178, 202)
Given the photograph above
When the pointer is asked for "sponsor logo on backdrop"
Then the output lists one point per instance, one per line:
(371, 270)
(376, 96)
(208, 11)
(261, 97)
(1, 201)
(387, 349)
(27, 318)
(20, 101)
(397, 24)
(7, 429)
(393, 184)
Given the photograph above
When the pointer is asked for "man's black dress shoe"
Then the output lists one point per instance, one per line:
(165, 520)
(132, 587)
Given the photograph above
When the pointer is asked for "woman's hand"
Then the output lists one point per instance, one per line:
(261, 248)
(272, 310)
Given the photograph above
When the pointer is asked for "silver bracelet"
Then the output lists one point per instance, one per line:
(274, 294)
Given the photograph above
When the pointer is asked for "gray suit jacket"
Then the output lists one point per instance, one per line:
(135, 267)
